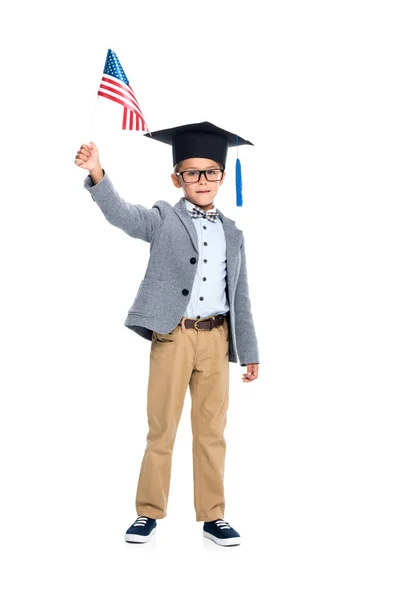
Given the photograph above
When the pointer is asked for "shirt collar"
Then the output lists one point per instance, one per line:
(189, 206)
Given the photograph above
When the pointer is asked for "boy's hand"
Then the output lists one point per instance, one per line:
(252, 373)
(87, 157)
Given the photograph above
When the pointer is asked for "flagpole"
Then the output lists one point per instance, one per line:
(93, 115)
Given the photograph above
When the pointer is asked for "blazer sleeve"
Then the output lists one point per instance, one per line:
(246, 338)
(134, 219)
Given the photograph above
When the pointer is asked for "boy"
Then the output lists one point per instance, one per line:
(193, 304)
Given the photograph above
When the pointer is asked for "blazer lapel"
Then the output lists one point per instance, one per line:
(182, 213)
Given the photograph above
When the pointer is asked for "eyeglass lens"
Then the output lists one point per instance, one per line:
(194, 176)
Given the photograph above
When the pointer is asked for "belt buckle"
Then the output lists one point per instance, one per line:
(197, 320)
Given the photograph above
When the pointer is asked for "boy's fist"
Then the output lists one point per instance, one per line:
(87, 157)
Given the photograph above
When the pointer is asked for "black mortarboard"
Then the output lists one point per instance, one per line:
(202, 140)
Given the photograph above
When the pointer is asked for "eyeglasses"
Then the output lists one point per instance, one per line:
(190, 176)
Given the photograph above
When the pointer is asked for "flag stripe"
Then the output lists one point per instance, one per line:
(126, 108)
(116, 99)
(117, 82)
(117, 93)
(118, 86)
(140, 124)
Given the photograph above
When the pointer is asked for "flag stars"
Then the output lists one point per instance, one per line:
(113, 67)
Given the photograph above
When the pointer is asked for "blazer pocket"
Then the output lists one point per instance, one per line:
(150, 295)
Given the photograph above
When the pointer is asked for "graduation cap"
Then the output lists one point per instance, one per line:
(202, 140)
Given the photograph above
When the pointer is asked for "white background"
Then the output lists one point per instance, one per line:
(312, 467)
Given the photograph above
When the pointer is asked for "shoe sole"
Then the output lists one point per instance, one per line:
(134, 537)
(224, 541)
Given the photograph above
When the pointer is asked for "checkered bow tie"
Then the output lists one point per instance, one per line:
(211, 215)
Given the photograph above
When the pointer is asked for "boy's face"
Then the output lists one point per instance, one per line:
(203, 192)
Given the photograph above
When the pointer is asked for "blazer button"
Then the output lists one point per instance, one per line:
(193, 260)
(185, 292)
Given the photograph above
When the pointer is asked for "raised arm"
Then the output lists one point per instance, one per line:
(134, 219)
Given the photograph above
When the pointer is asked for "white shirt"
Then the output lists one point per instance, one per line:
(208, 296)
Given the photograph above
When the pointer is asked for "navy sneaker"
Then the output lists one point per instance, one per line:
(141, 530)
(221, 533)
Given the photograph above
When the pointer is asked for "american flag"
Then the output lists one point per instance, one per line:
(115, 86)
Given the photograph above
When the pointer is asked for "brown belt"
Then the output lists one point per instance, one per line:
(205, 323)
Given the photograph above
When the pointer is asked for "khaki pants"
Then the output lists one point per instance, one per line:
(198, 358)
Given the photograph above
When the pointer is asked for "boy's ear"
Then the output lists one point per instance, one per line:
(175, 180)
(221, 181)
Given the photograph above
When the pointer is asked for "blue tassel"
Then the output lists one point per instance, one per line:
(239, 199)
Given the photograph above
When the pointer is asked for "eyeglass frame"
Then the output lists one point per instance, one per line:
(201, 171)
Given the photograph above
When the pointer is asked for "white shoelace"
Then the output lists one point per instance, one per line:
(223, 524)
(140, 521)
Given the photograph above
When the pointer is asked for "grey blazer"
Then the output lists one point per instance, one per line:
(164, 293)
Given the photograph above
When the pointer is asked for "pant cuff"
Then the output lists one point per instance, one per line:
(212, 516)
(151, 514)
